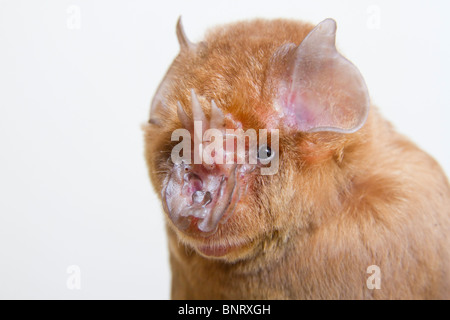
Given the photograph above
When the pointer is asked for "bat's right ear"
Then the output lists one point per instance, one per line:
(159, 109)
(183, 40)
(316, 88)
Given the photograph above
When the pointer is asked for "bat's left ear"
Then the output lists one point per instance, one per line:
(318, 89)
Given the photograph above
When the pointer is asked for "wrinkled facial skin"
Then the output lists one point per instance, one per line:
(214, 208)
(230, 210)
(206, 183)
(223, 210)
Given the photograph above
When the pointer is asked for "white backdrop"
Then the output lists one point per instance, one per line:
(76, 81)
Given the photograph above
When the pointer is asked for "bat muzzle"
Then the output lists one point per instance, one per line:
(197, 198)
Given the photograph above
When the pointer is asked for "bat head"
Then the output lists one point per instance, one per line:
(246, 130)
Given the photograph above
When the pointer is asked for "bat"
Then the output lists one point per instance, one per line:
(280, 180)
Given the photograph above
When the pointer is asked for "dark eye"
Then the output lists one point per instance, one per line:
(265, 153)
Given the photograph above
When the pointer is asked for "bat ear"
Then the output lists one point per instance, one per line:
(159, 109)
(185, 43)
(319, 90)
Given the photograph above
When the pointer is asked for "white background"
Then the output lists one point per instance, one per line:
(73, 183)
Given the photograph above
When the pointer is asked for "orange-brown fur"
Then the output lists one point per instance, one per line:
(339, 203)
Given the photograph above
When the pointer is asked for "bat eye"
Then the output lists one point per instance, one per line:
(265, 153)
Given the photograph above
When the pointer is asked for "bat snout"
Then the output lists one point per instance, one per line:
(198, 198)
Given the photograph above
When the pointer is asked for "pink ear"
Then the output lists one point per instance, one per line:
(320, 89)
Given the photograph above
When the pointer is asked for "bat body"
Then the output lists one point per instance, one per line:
(354, 210)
